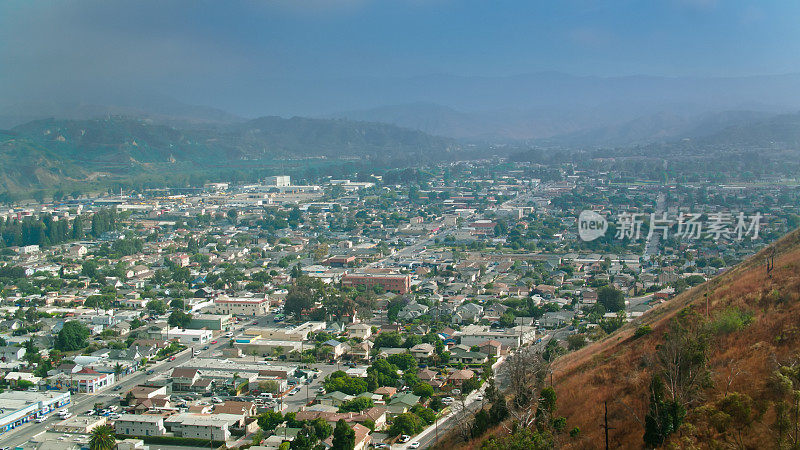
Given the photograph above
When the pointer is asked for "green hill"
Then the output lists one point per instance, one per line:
(47, 152)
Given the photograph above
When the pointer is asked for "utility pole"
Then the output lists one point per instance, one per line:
(605, 423)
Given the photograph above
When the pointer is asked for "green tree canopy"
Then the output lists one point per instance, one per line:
(344, 438)
(102, 438)
(73, 336)
(612, 299)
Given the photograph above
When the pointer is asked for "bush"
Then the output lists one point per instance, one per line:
(731, 320)
(576, 341)
(642, 331)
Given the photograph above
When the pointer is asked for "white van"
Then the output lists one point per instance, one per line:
(266, 395)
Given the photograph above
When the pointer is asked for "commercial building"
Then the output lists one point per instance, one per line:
(398, 283)
(79, 424)
(513, 338)
(203, 426)
(279, 181)
(187, 337)
(85, 381)
(140, 425)
(19, 407)
(214, 322)
(243, 306)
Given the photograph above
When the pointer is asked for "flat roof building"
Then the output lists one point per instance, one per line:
(398, 283)
(19, 407)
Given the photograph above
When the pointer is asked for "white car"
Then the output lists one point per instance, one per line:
(479, 397)
(40, 419)
(413, 445)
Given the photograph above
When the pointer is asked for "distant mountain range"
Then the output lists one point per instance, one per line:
(559, 107)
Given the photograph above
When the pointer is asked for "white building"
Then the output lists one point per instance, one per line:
(187, 337)
(19, 407)
(203, 426)
(242, 306)
(140, 425)
(279, 181)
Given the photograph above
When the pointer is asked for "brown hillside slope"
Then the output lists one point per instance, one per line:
(619, 368)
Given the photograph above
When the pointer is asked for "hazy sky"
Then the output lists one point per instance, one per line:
(213, 52)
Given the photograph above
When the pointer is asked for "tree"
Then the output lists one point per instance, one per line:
(179, 319)
(392, 340)
(89, 268)
(322, 429)
(344, 438)
(406, 423)
(102, 438)
(299, 298)
(576, 341)
(424, 390)
(357, 404)
(177, 304)
(306, 439)
(470, 385)
(73, 336)
(156, 306)
(269, 420)
(664, 416)
(612, 299)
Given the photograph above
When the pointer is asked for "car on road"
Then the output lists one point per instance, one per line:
(172, 358)
(404, 438)
(214, 341)
(205, 347)
(229, 335)
(116, 388)
(40, 419)
(150, 372)
(413, 445)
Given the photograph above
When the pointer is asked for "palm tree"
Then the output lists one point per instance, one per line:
(117, 370)
(102, 438)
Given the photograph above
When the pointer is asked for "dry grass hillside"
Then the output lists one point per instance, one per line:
(728, 352)
(740, 359)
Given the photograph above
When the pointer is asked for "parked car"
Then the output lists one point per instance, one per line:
(404, 438)
(40, 419)
(214, 341)
(479, 397)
